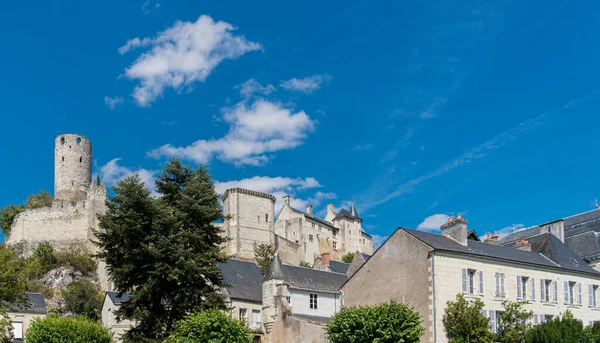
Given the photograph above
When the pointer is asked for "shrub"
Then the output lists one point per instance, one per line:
(348, 257)
(564, 330)
(465, 323)
(44, 253)
(83, 298)
(212, 326)
(384, 323)
(305, 264)
(53, 329)
(80, 258)
(513, 324)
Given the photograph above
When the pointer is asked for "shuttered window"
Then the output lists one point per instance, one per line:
(481, 280)
(465, 281)
(566, 285)
(579, 294)
(556, 291)
(519, 287)
(532, 289)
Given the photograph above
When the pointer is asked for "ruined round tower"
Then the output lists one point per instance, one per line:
(72, 167)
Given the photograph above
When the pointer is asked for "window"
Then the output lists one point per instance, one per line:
(266, 218)
(255, 318)
(500, 289)
(78, 140)
(313, 225)
(242, 314)
(334, 245)
(593, 291)
(572, 293)
(545, 290)
(310, 238)
(289, 300)
(468, 281)
(17, 329)
(525, 288)
(314, 301)
(492, 315)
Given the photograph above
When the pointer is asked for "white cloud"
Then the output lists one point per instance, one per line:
(279, 187)
(307, 84)
(378, 240)
(510, 229)
(113, 102)
(111, 173)
(255, 130)
(248, 88)
(433, 222)
(182, 55)
(432, 109)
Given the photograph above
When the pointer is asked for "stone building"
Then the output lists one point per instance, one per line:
(112, 302)
(77, 201)
(425, 270)
(297, 236)
(22, 316)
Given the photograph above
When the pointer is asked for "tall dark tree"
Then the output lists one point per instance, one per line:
(164, 250)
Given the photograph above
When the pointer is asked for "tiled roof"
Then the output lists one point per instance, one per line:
(36, 303)
(315, 218)
(116, 299)
(243, 280)
(552, 252)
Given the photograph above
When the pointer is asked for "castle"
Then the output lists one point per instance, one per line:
(78, 200)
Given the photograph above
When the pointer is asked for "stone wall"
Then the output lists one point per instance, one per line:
(288, 251)
(297, 330)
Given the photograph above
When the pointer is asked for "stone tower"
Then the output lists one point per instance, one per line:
(250, 221)
(72, 167)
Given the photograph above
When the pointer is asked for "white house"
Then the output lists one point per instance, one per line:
(22, 316)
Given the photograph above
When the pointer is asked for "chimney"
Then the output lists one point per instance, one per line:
(325, 259)
(309, 210)
(557, 228)
(456, 229)
(523, 245)
(286, 200)
(492, 238)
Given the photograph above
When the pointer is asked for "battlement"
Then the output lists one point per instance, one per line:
(249, 192)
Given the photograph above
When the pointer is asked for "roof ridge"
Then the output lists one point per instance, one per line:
(317, 270)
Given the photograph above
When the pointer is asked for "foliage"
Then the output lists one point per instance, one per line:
(78, 257)
(5, 328)
(305, 264)
(384, 323)
(348, 257)
(83, 298)
(212, 326)
(42, 199)
(12, 282)
(513, 323)
(7, 215)
(465, 323)
(44, 253)
(164, 250)
(565, 330)
(54, 329)
(263, 255)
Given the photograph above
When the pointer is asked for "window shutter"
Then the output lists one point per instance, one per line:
(502, 292)
(591, 295)
(481, 282)
(533, 289)
(536, 319)
(579, 296)
(493, 320)
(519, 288)
(566, 284)
(555, 291)
(464, 280)
(497, 277)
(542, 290)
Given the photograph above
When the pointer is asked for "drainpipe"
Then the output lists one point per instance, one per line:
(433, 287)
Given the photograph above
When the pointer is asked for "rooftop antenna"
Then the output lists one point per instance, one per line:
(594, 204)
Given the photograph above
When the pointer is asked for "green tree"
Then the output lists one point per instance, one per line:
(42, 199)
(348, 257)
(465, 323)
(565, 330)
(212, 326)
(305, 264)
(84, 298)
(513, 323)
(54, 329)
(7, 215)
(385, 323)
(164, 250)
(78, 257)
(12, 288)
(44, 253)
(263, 254)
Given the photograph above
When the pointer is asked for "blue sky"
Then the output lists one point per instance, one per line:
(414, 111)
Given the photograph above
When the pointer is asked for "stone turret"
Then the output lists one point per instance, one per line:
(274, 292)
(72, 167)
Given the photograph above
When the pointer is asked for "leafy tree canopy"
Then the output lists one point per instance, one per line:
(465, 323)
(263, 255)
(8, 213)
(84, 298)
(54, 329)
(348, 257)
(513, 323)
(164, 250)
(386, 323)
(12, 288)
(212, 326)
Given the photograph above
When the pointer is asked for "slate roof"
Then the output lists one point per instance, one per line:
(365, 256)
(317, 219)
(547, 251)
(519, 235)
(339, 267)
(309, 279)
(36, 303)
(116, 299)
(243, 280)
(343, 213)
